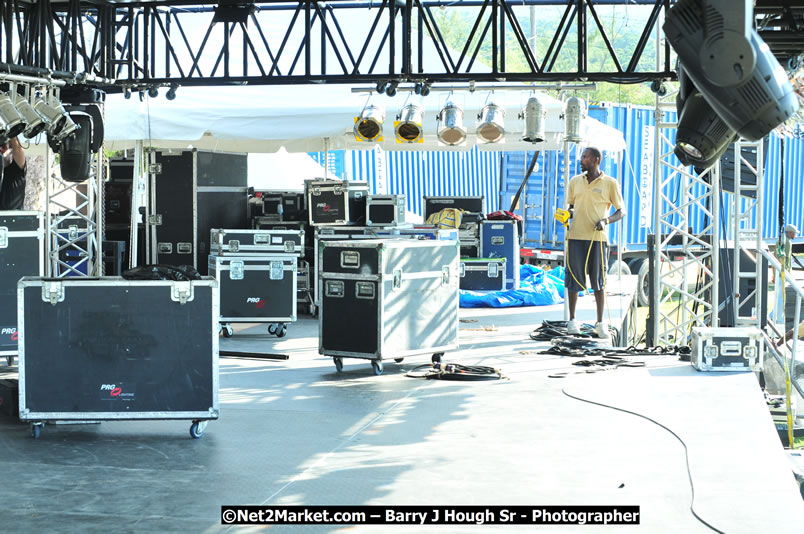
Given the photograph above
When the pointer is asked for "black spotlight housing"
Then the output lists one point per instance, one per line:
(425, 89)
(730, 64)
(171, 93)
(153, 92)
(381, 87)
(76, 150)
(391, 89)
(701, 135)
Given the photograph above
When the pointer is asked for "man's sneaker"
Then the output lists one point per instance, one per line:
(602, 331)
(573, 328)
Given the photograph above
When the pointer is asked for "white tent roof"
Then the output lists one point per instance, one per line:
(281, 171)
(314, 118)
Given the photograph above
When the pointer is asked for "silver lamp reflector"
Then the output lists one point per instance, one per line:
(11, 123)
(573, 116)
(369, 124)
(491, 128)
(408, 127)
(535, 116)
(451, 130)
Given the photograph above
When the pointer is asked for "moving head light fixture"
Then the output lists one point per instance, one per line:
(730, 64)
(702, 137)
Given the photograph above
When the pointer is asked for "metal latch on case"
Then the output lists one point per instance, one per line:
(445, 274)
(184, 248)
(277, 270)
(155, 219)
(53, 292)
(164, 248)
(236, 270)
(494, 269)
(234, 245)
(3, 237)
(181, 292)
(397, 278)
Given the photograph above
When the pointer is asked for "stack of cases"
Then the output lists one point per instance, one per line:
(388, 299)
(22, 245)
(500, 239)
(256, 271)
(195, 192)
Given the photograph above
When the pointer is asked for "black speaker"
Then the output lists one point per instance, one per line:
(747, 285)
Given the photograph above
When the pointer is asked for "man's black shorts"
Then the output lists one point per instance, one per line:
(577, 266)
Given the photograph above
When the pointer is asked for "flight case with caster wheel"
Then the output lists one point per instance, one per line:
(98, 349)
(256, 288)
(384, 299)
(22, 245)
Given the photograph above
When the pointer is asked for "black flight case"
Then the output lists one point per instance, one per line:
(107, 348)
(22, 246)
(388, 299)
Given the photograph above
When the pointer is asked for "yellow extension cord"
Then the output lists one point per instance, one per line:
(586, 266)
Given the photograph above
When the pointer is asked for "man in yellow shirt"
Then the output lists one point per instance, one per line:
(590, 196)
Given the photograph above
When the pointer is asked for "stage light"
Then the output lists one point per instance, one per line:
(11, 122)
(59, 123)
(76, 150)
(491, 125)
(701, 135)
(573, 117)
(730, 64)
(368, 126)
(451, 130)
(171, 93)
(35, 124)
(408, 126)
(535, 116)
(153, 92)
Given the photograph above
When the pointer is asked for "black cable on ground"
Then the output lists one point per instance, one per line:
(455, 371)
(683, 444)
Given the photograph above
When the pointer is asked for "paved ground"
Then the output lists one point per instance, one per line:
(295, 432)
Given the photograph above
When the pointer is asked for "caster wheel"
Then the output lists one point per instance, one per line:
(338, 364)
(197, 429)
(437, 357)
(399, 360)
(281, 331)
(272, 328)
(377, 366)
(36, 430)
(227, 330)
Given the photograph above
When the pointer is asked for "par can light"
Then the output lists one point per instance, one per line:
(11, 123)
(535, 115)
(408, 127)
(491, 125)
(368, 126)
(451, 130)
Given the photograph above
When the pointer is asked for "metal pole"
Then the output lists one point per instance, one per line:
(566, 240)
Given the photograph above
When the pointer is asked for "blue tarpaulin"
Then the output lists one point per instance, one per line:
(536, 288)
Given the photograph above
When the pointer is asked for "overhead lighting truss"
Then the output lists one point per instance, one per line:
(141, 44)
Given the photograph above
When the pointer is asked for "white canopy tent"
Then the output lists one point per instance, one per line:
(316, 118)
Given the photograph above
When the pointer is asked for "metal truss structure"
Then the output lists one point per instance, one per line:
(140, 44)
(686, 211)
(74, 230)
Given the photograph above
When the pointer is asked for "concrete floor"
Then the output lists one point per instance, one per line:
(295, 432)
